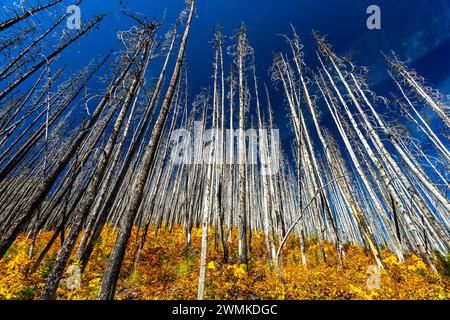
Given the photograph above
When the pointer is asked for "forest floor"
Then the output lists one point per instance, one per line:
(167, 271)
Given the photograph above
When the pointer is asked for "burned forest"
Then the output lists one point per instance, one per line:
(106, 167)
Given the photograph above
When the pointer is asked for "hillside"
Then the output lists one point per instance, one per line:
(167, 271)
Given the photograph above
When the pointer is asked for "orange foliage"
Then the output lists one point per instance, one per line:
(167, 271)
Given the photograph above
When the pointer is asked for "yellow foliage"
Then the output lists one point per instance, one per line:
(166, 270)
(211, 266)
(240, 272)
(392, 260)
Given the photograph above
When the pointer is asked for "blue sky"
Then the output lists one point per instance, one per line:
(417, 30)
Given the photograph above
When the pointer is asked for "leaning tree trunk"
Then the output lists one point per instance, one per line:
(30, 205)
(13, 21)
(117, 255)
(89, 197)
(242, 223)
(51, 56)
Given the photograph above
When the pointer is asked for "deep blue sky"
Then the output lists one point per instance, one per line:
(418, 30)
